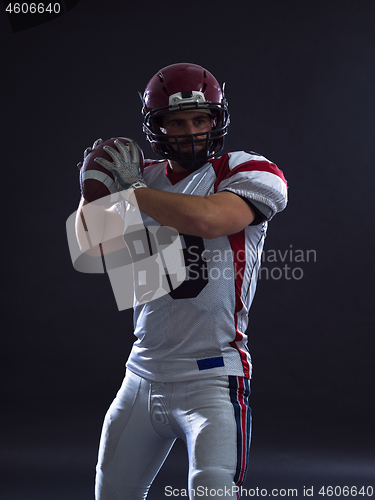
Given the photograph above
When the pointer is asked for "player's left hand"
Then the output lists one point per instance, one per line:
(126, 164)
(87, 151)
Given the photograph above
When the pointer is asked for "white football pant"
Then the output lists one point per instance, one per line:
(211, 415)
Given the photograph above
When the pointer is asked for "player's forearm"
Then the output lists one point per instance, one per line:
(188, 214)
(90, 225)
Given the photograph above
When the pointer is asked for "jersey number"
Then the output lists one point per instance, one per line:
(146, 243)
(196, 269)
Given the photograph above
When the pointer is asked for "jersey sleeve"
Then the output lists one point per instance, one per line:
(254, 178)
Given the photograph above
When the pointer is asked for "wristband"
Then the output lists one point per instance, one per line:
(129, 192)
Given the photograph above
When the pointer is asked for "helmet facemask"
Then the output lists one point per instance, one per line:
(169, 146)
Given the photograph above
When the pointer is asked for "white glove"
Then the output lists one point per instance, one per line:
(126, 164)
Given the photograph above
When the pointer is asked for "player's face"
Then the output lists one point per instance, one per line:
(186, 123)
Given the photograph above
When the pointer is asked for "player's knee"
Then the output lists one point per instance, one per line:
(212, 482)
(108, 487)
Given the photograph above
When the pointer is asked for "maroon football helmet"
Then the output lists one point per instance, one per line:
(185, 87)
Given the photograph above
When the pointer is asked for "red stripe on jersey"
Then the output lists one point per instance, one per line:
(175, 177)
(237, 242)
(258, 166)
(222, 170)
(221, 167)
(147, 163)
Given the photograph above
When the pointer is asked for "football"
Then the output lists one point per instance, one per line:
(96, 181)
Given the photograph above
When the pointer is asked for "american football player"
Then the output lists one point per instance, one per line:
(188, 373)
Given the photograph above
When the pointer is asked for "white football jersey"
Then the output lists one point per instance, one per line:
(199, 329)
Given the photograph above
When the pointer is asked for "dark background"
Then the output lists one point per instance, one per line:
(300, 79)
